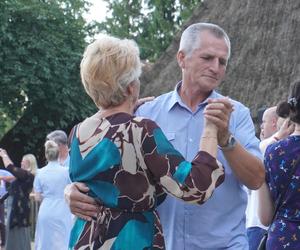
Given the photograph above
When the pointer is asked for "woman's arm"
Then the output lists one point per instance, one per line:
(192, 182)
(7, 178)
(37, 196)
(265, 205)
(9, 165)
(5, 158)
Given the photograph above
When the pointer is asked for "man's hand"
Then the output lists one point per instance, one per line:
(218, 112)
(141, 101)
(80, 204)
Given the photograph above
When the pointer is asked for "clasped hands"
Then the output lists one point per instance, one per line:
(217, 114)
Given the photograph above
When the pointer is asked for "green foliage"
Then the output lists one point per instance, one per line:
(41, 46)
(152, 23)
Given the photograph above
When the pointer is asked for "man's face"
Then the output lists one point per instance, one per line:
(205, 67)
(268, 126)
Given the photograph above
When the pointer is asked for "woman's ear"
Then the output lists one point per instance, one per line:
(130, 89)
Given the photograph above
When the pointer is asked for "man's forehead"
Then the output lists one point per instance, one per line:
(213, 51)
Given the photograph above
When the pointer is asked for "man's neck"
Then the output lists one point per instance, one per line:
(192, 97)
(63, 156)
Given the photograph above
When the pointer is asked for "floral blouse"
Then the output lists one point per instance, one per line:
(129, 166)
(279, 158)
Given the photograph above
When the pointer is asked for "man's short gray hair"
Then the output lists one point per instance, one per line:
(190, 38)
(59, 136)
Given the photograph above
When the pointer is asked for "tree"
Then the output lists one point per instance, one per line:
(41, 47)
(151, 23)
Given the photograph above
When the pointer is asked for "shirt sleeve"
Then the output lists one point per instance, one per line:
(244, 131)
(194, 181)
(37, 184)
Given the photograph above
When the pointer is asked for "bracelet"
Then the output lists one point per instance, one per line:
(212, 137)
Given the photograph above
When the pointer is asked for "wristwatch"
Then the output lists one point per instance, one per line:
(231, 143)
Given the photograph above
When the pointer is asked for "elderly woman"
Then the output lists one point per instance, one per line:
(281, 190)
(18, 226)
(127, 161)
(54, 221)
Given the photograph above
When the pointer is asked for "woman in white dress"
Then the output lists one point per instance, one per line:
(54, 221)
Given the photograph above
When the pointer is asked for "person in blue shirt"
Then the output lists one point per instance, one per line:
(61, 138)
(203, 56)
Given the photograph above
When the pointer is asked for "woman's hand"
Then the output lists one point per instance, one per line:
(141, 101)
(5, 158)
(3, 153)
(285, 129)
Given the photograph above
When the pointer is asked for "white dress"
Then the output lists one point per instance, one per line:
(54, 221)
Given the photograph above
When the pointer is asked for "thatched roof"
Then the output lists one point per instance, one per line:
(265, 56)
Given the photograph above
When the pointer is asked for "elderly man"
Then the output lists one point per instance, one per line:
(220, 223)
(61, 138)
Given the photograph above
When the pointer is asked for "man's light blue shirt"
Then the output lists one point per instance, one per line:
(220, 222)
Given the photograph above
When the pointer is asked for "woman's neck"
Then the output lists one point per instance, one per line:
(125, 107)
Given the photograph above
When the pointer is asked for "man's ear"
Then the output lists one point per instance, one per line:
(180, 59)
(274, 123)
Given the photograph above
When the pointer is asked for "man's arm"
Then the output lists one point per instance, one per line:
(248, 168)
(266, 206)
(80, 203)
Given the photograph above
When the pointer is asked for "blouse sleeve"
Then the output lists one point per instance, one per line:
(194, 181)
(37, 184)
(19, 173)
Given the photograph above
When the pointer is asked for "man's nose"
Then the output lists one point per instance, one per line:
(215, 65)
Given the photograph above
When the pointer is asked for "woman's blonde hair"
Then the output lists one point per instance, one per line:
(51, 150)
(30, 158)
(108, 66)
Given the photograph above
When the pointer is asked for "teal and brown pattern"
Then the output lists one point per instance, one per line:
(129, 166)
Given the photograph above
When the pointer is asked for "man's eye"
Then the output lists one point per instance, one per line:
(223, 62)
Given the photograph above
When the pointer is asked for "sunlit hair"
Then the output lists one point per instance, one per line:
(191, 38)
(32, 163)
(108, 66)
(51, 150)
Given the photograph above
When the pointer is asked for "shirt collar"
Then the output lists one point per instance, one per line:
(176, 99)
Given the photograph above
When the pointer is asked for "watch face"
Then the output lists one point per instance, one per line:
(231, 143)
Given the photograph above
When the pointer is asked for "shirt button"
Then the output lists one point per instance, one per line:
(190, 140)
